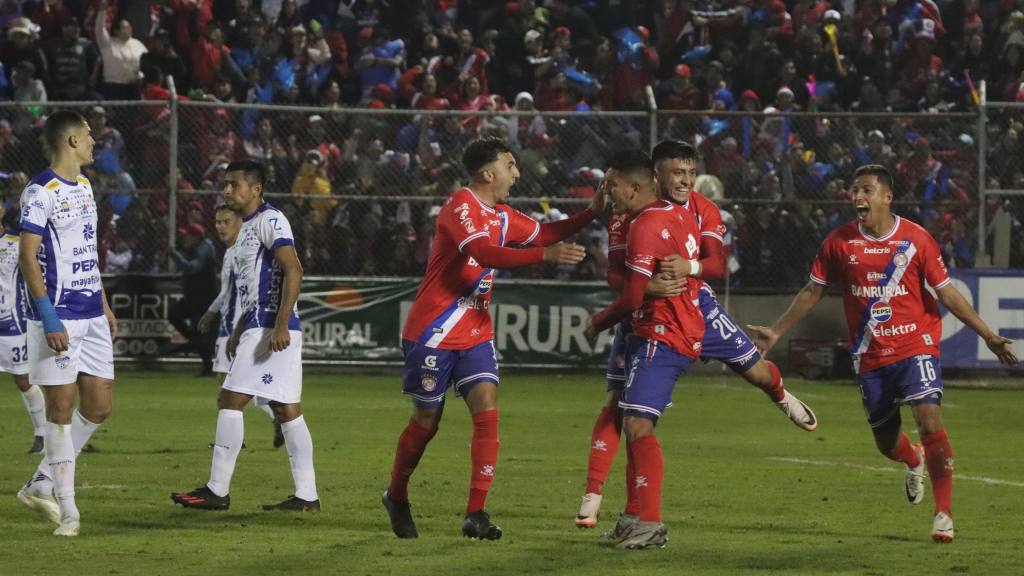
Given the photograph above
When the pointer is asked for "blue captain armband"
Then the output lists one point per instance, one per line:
(48, 315)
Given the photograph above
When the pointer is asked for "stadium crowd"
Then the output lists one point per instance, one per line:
(782, 180)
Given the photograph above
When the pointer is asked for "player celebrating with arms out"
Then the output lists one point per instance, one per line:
(675, 166)
(883, 265)
(223, 311)
(265, 346)
(71, 328)
(13, 347)
(665, 340)
(448, 337)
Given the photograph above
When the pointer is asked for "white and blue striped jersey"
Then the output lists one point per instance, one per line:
(64, 214)
(226, 303)
(13, 299)
(259, 278)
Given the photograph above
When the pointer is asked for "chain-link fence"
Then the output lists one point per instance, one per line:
(1002, 189)
(362, 187)
(129, 174)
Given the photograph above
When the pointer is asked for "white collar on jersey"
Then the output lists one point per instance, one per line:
(895, 227)
(479, 201)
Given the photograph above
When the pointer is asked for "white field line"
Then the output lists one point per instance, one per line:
(982, 479)
(102, 486)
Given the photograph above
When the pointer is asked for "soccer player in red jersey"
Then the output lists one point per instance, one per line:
(675, 165)
(884, 265)
(448, 338)
(666, 334)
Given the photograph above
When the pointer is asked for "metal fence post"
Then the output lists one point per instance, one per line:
(172, 176)
(652, 123)
(980, 257)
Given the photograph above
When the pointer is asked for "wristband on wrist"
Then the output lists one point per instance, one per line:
(48, 315)
(694, 268)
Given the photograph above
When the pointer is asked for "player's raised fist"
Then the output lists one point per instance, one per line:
(564, 253)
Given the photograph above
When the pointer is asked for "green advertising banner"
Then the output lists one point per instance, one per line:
(535, 323)
(359, 321)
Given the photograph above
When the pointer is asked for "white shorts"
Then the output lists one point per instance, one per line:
(221, 364)
(265, 375)
(90, 351)
(14, 354)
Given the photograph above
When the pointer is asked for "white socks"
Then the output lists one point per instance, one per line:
(226, 446)
(36, 407)
(60, 453)
(81, 431)
(300, 456)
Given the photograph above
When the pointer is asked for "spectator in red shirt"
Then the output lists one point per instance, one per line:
(211, 58)
(679, 93)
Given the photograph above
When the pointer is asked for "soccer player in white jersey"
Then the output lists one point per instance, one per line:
(13, 353)
(223, 311)
(71, 328)
(265, 347)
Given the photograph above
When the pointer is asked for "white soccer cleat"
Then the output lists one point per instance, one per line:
(914, 480)
(942, 528)
(587, 516)
(800, 413)
(37, 495)
(67, 528)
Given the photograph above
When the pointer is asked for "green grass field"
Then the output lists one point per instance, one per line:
(746, 491)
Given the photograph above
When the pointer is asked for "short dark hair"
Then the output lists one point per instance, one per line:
(254, 170)
(222, 207)
(57, 126)
(632, 161)
(482, 152)
(673, 150)
(877, 170)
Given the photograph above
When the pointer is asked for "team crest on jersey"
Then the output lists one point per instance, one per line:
(62, 361)
(691, 245)
(853, 258)
(428, 383)
(881, 312)
(665, 234)
(901, 260)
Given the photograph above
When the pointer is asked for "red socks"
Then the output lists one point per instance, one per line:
(411, 445)
(938, 455)
(775, 390)
(904, 452)
(632, 500)
(649, 472)
(484, 457)
(604, 443)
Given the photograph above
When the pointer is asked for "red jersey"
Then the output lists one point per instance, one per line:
(889, 313)
(451, 310)
(656, 232)
(709, 222)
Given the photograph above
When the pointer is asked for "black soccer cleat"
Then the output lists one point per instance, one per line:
(278, 435)
(294, 504)
(400, 513)
(202, 498)
(478, 525)
(37, 446)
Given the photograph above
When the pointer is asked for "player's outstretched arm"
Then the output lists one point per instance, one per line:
(805, 300)
(632, 297)
(958, 305)
(500, 257)
(28, 247)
